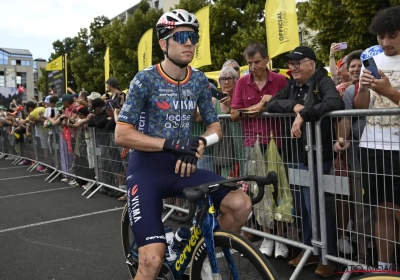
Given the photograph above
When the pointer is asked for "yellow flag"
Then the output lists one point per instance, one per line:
(281, 25)
(107, 65)
(56, 64)
(66, 73)
(145, 49)
(202, 54)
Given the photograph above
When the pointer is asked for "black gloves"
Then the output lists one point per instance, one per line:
(185, 147)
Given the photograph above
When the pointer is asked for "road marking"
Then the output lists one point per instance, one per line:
(61, 220)
(50, 190)
(12, 167)
(3, 179)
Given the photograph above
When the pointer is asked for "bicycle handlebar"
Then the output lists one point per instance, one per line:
(195, 194)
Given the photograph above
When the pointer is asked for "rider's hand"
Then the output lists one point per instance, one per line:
(186, 165)
(188, 146)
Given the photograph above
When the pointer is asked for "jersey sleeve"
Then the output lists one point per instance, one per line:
(207, 111)
(135, 100)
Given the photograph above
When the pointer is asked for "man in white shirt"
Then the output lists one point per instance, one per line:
(380, 157)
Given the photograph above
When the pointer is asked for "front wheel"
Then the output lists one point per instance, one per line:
(249, 261)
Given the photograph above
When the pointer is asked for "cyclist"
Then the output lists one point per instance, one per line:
(155, 122)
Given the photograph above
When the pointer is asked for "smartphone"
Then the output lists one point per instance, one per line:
(52, 113)
(371, 66)
(342, 45)
(217, 93)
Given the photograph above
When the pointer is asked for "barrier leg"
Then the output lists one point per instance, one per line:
(96, 190)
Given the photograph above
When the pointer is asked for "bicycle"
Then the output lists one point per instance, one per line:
(206, 236)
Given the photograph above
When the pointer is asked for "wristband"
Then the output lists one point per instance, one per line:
(211, 139)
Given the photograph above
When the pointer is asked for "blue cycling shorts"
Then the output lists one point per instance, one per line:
(150, 178)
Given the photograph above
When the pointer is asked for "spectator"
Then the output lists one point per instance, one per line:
(50, 113)
(114, 90)
(20, 91)
(112, 110)
(232, 63)
(252, 92)
(309, 95)
(380, 140)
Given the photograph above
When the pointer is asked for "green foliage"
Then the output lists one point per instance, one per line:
(41, 81)
(123, 40)
(340, 21)
(87, 59)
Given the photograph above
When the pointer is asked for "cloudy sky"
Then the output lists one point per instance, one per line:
(36, 24)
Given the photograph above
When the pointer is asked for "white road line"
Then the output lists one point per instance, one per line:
(49, 190)
(61, 220)
(23, 177)
(12, 167)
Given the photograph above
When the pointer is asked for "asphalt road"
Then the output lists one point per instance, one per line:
(49, 231)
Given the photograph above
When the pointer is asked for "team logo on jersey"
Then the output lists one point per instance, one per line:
(134, 190)
(163, 105)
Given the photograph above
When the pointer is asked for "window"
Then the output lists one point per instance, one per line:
(21, 78)
(2, 79)
(34, 65)
(27, 63)
(13, 62)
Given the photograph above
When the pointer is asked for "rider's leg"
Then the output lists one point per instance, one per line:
(235, 209)
(151, 257)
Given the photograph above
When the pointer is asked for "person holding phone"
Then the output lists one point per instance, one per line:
(380, 141)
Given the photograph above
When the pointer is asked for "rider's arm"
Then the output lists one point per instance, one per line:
(127, 136)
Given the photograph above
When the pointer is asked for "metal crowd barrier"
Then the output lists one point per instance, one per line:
(316, 201)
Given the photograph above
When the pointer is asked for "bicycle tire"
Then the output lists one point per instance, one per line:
(132, 263)
(187, 217)
(237, 242)
(380, 276)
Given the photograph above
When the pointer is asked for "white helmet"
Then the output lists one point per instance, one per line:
(176, 18)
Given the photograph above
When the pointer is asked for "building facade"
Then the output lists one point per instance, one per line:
(18, 67)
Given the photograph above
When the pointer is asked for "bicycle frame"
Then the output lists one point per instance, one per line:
(206, 224)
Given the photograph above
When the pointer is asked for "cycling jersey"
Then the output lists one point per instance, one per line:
(161, 107)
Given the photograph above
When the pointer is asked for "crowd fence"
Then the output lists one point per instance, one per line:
(319, 207)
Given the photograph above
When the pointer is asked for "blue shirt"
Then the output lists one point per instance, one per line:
(161, 107)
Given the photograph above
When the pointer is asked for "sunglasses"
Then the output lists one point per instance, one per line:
(182, 36)
(236, 68)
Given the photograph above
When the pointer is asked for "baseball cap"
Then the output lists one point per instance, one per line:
(30, 104)
(98, 103)
(112, 82)
(300, 53)
(66, 98)
(112, 104)
(83, 110)
(59, 105)
(94, 95)
(47, 99)
(341, 62)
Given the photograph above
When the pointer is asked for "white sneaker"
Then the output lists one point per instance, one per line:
(64, 180)
(267, 247)
(281, 251)
(86, 186)
(344, 245)
(206, 272)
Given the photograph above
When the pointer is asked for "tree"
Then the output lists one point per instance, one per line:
(61, 48)
(123, 40)
(340, 21)
(41, 81)
(87, 59)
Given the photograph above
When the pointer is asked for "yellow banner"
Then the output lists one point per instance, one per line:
(56, 64)
(281, 25)
(107, 65)
(202, 54)
(66, 73)
(145, 48)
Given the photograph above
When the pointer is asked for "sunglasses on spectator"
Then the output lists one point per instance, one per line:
(226, 79)
(296, 64)
(182, 36)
